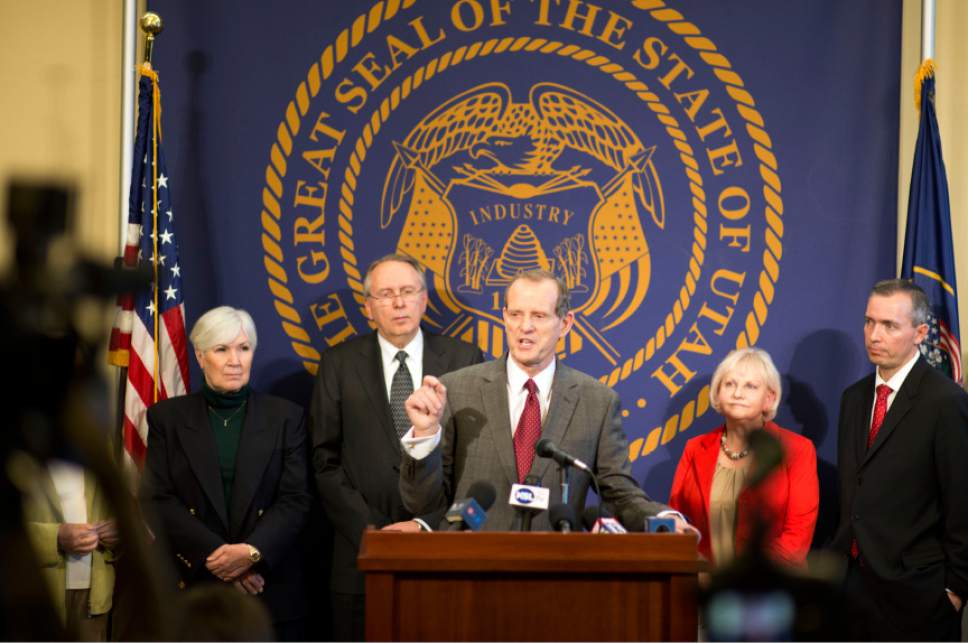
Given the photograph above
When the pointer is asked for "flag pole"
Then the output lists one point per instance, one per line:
(151, 25)
(128, 101)
(927, 29)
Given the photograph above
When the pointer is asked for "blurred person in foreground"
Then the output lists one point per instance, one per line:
(710, 484)
(225, 479)
(75, 540)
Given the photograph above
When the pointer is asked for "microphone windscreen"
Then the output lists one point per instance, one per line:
(545, 448)
(483, 492)
(562, 513)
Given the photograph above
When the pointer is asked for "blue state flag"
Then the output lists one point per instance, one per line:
(928, 254)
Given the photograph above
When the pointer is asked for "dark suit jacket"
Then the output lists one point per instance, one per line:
(583, 420)
(356, 452)
(184, 503)
(788, 499)
(904, 498)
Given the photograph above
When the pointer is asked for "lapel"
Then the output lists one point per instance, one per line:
(370, 369)
(90, 493)
(259, 432)
(564, 398)
(494, 401)
(434, 359)
(862, 420)
(903, 403)
(200, 451)
(46, 490)
(705, 466)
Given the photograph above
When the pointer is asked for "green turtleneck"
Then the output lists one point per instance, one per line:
(226, 414)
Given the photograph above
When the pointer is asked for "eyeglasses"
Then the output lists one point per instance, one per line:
(387, 297)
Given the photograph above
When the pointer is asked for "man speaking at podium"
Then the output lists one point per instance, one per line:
(481, 423)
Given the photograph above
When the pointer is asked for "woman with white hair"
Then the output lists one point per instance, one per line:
(709, 485)
(225, 479)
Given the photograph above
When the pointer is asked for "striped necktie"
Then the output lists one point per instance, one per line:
(400, 389)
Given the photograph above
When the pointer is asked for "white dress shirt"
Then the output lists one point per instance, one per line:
(388, 355)
(518, 395)
(68, 479)
(896, 381)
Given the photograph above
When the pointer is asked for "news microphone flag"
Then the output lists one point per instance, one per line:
(929, 257)
(148, 337)
(466, 514)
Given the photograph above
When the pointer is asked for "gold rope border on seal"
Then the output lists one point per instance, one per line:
(382, 12)
(772, 253)
(320, 71)
(541, 45)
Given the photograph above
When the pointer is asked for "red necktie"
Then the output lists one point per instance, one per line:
(880, 410)
(528, 431)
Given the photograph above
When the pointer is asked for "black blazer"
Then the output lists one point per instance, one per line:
(356, 452)
(184, 503)
(904, 499)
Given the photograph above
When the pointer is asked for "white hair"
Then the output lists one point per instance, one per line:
(220, 326)
(760, 362)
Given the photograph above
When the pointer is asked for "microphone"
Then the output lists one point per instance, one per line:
(563, 517)
(529, 499)
(597, 521)
(545, 448)
(471, 512)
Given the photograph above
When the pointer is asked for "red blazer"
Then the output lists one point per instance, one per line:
(789, 498)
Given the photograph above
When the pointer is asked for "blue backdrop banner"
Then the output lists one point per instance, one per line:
(705, 175)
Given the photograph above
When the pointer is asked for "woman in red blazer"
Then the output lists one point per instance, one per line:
(709, 488)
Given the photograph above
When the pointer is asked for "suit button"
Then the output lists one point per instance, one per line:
(191, 510)
(181, 584)
(860, 480)
(855, 517)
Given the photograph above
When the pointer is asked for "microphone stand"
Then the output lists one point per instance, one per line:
(563, 477)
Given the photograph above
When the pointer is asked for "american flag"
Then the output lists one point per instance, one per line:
(149, 337)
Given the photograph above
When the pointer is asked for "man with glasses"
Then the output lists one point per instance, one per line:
(357, 416)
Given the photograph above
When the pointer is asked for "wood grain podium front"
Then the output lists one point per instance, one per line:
(503, 586)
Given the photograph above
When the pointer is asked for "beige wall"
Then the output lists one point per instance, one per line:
(951, 102)
(60, 69)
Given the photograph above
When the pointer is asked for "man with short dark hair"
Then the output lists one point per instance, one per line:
(482, 422)
(357, 417)
(903, 465)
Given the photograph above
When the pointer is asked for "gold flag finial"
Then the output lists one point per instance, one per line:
(152, 26)
(926, 70)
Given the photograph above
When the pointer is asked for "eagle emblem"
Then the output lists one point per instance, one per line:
(484, 187)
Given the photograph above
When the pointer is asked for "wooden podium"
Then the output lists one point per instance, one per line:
(504, 586)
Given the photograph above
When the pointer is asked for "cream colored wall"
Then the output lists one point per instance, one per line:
(60, 70)
(60, 105)
(951, 103)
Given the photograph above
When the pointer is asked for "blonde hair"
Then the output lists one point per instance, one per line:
(220, 326)
(761, 363)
